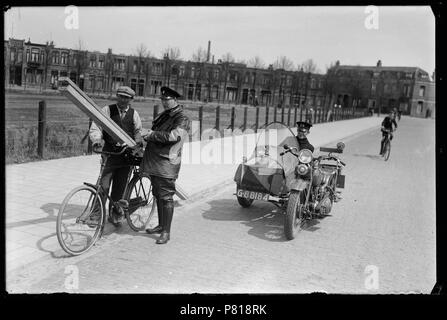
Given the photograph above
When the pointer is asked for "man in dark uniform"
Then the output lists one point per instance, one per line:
(303, 131)
(162, 158)
(117, 167)
(387, 124)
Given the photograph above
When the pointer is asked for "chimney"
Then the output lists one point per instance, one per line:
(213, 58)
(337, 63)
(379, 63)
(208, 53)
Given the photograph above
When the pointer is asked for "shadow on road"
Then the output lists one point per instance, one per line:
(264, 219)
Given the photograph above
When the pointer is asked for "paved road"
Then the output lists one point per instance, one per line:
(380, 238)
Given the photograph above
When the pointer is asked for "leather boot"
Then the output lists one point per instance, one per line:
(159, 227)
(168, 212)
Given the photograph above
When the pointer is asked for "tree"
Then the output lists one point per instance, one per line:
(309, 66)
(172, 53)
(143, 54)
(283, 62)
(199, 55)
(227, 57)
(256, 62)
(81, 62)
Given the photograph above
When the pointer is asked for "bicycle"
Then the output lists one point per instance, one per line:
(77, 232)
(386, 150)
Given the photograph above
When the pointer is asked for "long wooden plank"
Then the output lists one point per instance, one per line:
(88, 106)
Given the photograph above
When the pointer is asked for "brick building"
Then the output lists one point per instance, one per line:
(32, 65)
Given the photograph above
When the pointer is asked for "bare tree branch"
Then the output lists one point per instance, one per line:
(199, 55)
(309, 66)
(283, 62)
(172, 53)
(256, 62)
(227, 57)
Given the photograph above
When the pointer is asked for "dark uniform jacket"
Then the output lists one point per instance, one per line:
(388, 122)
(128, 126)
(163, 153)
(305, 144)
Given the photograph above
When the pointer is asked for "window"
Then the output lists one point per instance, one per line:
(313, 83)
(247, 78)
(64, 58)
(119, 64)
(34, 55)
(406, 90)
(54, 76)
(135, 66)
(422, 91)
(386, 88)
(182, 71)
(92, 82)
(19, 56)
(42, 56)
(13, 55)
(156, 68)
(101, 62)
(420, 107)
(216, 74)
(193, 70)
(100, 83)
(27, 55)
(373, 88)
(409, 75)
(92, 61)
(55, 57)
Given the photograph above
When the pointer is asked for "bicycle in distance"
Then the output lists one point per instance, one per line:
(77, 231)
(386, 144)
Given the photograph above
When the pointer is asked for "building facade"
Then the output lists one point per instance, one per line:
(33, 65)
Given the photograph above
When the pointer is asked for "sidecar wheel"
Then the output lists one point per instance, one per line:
(294, 219)
(244, 202)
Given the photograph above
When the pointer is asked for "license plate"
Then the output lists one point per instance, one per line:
(252, 195)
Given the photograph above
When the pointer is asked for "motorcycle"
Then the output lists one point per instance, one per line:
(303, 187)
(314, 189)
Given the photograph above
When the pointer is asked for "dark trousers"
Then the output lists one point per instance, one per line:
(384, 134)
(117, 176)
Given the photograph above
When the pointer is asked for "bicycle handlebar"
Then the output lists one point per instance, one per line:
(111, 153)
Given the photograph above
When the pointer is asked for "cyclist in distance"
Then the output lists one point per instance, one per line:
(387, 124)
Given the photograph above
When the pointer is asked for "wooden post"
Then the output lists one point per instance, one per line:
(282, 113)
(257, 119)
(274, 113)
(155, 111)
(288, 116)
(217, 118)
(294, 121)
(266, 115)
(41, 128)
(232, 119)
(89, 142)
(200, 121)
(245, 118)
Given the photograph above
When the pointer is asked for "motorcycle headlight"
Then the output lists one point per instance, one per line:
(305, 156)
(302, 169)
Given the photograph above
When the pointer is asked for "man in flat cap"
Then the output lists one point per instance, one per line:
(303, 131)
(117, 168)
(162, 158)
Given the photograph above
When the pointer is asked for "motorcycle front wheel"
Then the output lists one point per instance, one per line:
(294, 217)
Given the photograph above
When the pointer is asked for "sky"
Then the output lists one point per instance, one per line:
(357, 35)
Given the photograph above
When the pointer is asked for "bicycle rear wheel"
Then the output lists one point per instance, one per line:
(141, 202)
(76, 231)
(387, 150)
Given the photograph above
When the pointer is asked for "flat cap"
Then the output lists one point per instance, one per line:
(167, 92)
(125, 91)
(304, 125)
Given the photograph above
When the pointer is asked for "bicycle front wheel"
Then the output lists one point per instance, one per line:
(80, 220)
(387, 150)
(141, 202)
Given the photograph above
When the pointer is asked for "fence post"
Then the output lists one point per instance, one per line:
(155, 111)
(294, 122)
(266, 115)
(315, 116)
(217, 118)
(232, 119)
(282, 113)
(257, 119)
(274, 113)
(288, 116)
(41, 128)
(301, 113)
(245, 118)
(200, 121)
(89, 142)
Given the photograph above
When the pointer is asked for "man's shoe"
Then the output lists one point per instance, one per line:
(164, 237)
(116, 219)
(157, 229)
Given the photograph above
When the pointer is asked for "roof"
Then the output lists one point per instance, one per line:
(375, 68)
